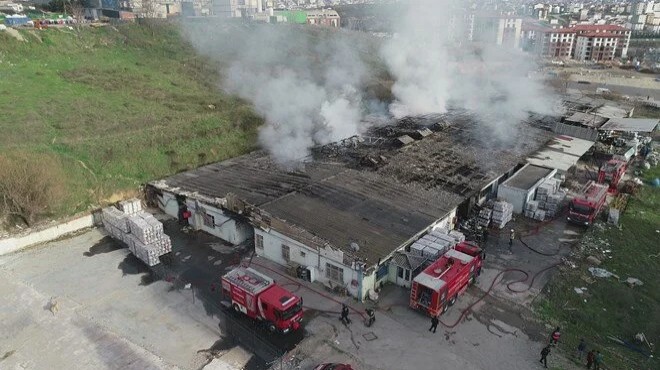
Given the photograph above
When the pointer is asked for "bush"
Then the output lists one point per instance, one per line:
(31, 185)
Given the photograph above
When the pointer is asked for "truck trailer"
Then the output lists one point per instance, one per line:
(585, 207)
(439, 285)
(258, 296)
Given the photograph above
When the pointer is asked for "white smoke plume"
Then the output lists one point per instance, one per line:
(305, 83)
(435, 67)
(309, 83)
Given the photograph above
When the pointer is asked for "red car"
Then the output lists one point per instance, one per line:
(334, 367)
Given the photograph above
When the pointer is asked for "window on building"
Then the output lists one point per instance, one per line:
(302, 254)
(209, 220)
(258, 241)
(407, 275)
(286, 253)
(334, 273)
(399, 272)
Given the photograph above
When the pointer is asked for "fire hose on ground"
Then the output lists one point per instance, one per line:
(468, 309)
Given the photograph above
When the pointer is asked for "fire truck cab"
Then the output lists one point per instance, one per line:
(586, 206)
(611, 173)
(438, 286)
(260, 298)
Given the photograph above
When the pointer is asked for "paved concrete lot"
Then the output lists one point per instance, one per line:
(498, 333)
(115, 313)
(106, 318)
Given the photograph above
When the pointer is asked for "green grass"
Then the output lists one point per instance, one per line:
(612, 308)
(119, 106)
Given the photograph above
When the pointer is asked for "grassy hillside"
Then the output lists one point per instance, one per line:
(610, 307)
(110, 108)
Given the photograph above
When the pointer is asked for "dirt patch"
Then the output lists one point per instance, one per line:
(15, 34)
(121, 195)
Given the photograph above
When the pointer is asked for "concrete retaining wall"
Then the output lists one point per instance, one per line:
(31, 237)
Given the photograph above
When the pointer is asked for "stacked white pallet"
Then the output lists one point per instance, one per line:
(438, 243)
(530, 208)
(444, 239)
(145, 227)
(457, 235)
(502, 213)
(553, 203)
(427, 250)
(548, 198)
(142, 232)
(131, 206)
(539, 215)
(484, 217)
(115, 218)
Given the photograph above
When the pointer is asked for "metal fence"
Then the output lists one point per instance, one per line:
(576, 131)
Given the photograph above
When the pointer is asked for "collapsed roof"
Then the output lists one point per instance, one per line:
(367, 195)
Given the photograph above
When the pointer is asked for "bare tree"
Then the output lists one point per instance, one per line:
(31, 185)
(77, 11)
(148, 9)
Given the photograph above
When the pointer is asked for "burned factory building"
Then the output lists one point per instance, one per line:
(348, 214)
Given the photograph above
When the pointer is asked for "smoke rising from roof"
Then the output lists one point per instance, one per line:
(307, 86)
(309, 83)
(435, 68)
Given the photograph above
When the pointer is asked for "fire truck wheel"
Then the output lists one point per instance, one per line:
(472, 280)
(271, 328)
(444, 309)
(452, 301)
(236, 308)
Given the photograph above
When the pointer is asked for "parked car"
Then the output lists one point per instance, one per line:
(334, 367)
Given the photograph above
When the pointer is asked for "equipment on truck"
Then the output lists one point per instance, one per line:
(437, 287)
(586, 206)
(260, 298)
(611, 173)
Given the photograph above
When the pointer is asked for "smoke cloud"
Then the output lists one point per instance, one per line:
(435, 68)
(307, 84)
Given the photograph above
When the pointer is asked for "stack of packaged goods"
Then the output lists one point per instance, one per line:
(531, 207)
(502, 213)
(539, 215)
(115, 222)
(147, 239)
(457, 235)
(484, 217)
(141, 231)
(548, 200)
(131, 206)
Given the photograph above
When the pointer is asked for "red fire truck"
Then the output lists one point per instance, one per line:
(584, 208)
(611, 173)
(260, 298)
(437, 287)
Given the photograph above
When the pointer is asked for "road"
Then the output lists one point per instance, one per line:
(623, 90)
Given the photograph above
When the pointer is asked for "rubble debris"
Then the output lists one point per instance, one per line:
(580, 290)
(601, 273)
(593, 261)
(633, 282)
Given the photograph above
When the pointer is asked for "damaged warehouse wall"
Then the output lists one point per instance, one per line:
(207, 218)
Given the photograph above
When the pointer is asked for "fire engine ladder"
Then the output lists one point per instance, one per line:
(415, 290)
